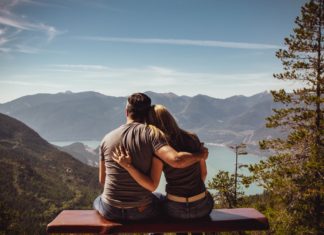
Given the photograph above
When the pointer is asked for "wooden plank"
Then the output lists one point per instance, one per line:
(89, 221)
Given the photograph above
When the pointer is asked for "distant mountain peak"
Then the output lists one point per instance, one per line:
(90, 115)
(166, 94)
(261, 94)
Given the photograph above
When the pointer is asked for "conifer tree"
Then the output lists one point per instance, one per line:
(224, 184)
(294, 173)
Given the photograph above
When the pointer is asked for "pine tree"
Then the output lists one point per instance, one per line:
(294, 173)
(224, 184)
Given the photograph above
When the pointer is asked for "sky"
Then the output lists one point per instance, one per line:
(116, 47)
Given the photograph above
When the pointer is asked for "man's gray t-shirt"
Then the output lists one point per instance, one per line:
(120, 188)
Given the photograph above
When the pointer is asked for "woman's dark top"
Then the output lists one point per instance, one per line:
(185, 182)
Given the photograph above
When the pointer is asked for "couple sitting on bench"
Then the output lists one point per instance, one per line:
(133, 157)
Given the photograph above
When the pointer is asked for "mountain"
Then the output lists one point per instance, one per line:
(68, 116)
(90, 115)
(37, 180)
(83, 153)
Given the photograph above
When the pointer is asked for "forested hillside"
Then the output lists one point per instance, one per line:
(37, 181)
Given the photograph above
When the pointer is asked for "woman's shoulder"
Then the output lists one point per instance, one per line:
(191, 140)
(191, 136)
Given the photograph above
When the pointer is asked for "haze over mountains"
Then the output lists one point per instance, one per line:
(82, 152)
(90, 115)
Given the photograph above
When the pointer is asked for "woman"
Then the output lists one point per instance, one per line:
(186, 197)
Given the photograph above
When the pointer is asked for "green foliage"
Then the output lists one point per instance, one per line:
(293, 174)
(224, 184)
(37, 181)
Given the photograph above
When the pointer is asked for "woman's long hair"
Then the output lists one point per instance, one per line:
(161, 118)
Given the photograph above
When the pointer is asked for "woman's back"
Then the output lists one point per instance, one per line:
(184, 182)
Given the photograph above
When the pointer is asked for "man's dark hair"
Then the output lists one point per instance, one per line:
(138, 106)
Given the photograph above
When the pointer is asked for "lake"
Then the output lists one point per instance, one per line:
(220, 158)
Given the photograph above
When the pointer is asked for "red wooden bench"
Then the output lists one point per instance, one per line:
(89, 221)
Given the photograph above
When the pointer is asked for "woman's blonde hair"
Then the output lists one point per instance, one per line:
(161, 118)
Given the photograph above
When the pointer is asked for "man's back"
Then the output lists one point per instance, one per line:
(120, 188)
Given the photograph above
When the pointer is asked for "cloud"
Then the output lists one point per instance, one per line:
(153, 75)
(3, 40)
(5, 49)
(13, 26)
(7, 5)
(21, 24)
(26, 50)
(185, 42)
(163, 79)
(120, 81)
(80, 67)
(13, 23)
(31, 84)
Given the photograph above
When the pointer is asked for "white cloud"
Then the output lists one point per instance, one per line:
(5, 49)
(7, 5)
(25, 25)
(80, 67)
(2, 31)
(13, 25)
(185, 42)
(3, 40)
(155, 76)
(121, 81)
(26, 50)
(31, 84)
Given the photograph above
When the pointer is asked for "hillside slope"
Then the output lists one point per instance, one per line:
(82, 152)
(37, 181)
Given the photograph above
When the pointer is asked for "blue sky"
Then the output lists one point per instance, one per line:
(116, 47)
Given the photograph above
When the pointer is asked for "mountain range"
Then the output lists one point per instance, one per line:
(37, 180)
(89, 115)
(82, 152)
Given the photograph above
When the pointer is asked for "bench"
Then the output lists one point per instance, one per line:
(220, 220)
(89, 221)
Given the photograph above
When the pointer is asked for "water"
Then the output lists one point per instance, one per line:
(223, 158)
(220, 158)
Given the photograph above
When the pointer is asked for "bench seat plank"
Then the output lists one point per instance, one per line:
(89, 221)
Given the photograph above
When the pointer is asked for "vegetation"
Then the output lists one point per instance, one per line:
(224, 184)
(293, 175)
(37, 181)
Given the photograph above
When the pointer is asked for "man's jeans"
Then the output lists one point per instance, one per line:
(193, 210)
(132, 214)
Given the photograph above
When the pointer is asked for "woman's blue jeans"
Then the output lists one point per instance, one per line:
(192, 210)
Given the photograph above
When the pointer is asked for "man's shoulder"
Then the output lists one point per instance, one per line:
(124, 128)
(135, 126)
(113, 134)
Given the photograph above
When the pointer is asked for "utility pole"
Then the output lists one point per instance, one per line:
(239, 150)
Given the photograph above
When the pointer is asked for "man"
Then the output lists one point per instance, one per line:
(123, 198)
